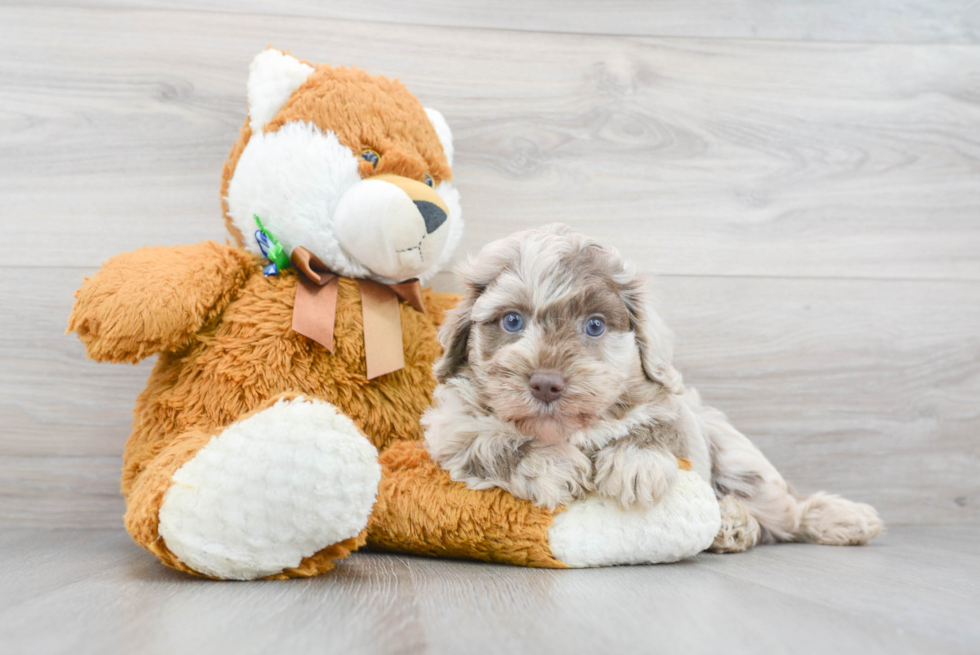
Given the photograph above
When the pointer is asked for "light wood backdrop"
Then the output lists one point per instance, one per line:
(803, 178)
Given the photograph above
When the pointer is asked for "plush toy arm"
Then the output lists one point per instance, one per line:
(421, 510)
(155, 299)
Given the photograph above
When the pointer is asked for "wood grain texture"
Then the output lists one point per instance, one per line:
(860, 387)
(914, 591)
(714, 156)
(812, 207)
(907, 21)
(61, 492)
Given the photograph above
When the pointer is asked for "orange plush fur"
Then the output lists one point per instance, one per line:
(227, 350)
(421, 511)
(366, 112)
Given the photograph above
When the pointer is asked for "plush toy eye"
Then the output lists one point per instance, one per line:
(428, 180)
(371, 156)
(513, 322)
(595, 326)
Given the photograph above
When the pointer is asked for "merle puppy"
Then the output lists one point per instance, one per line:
(557, 382)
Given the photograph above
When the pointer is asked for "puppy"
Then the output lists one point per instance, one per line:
(556, 382)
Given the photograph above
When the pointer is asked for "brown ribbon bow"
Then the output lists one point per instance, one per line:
(315, 311)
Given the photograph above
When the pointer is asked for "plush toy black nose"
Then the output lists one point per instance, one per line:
(432, 214)
(547, 386)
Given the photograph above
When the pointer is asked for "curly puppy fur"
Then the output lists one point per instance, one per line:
(623, 416)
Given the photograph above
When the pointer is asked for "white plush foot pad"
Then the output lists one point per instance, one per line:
(597, 532)
(270, 490)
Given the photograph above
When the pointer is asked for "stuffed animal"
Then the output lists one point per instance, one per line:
(279, 429)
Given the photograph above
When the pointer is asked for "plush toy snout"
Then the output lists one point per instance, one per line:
(393, 225)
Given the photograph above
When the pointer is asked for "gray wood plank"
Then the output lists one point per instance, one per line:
(949, 21)
(110, 597)
(761, 178)
(713, 162)
(724, 157)
(61, 492)
(862, 387)
(927, 589)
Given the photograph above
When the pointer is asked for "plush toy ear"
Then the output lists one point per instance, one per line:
(442, 131)
(272, 78)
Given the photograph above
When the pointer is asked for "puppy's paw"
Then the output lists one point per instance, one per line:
(835, 521)
(551, 493)
(580, 483)
(549, 479)
(739, 530)
(634, 475)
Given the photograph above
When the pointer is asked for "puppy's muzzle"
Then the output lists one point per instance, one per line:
(546, 386)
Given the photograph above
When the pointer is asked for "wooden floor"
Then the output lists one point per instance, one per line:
(92, 591)
(802, 176)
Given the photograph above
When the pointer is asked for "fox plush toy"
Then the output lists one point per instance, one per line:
(279, 429)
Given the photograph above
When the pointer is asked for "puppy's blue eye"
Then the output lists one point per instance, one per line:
(513, 322)
(428, 180)
(595, 326)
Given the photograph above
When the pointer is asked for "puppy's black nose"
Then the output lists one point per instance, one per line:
(432, 214)
(546, 386)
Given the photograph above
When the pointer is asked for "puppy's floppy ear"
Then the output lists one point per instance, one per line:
(454, 335)
(477, 273)
(654, 338)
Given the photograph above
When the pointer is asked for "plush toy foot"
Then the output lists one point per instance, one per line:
(596, 531)
(270, 492)
(420, 510)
